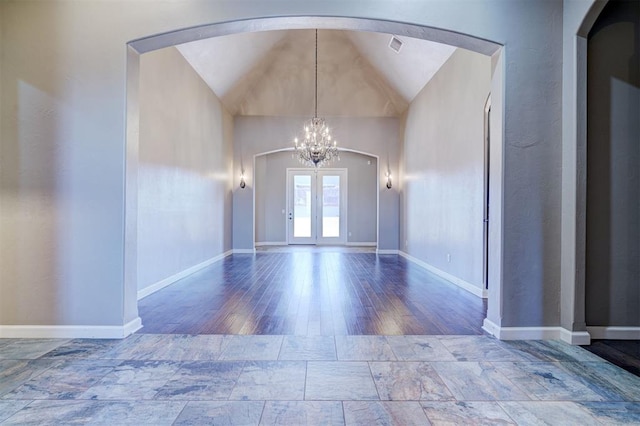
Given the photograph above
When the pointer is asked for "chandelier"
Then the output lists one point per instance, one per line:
(316, 148)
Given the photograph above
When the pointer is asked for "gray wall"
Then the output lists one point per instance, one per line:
(443, 167)
(257, 135)
(270, 196)
(613, 168)
(63, 254)
(184, 175)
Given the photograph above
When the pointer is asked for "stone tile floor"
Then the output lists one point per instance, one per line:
(151, 379)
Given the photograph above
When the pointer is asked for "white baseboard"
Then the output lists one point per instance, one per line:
(491, 328)
(180, 275)
(70, 331)
(536, 333)
(284, 243)
(385, 251)
(575, 337)
(480, 292)
(244, 251)
(614, 333)
(132, 326)
(521, 333)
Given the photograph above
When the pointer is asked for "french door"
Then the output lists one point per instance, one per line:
(317, 205)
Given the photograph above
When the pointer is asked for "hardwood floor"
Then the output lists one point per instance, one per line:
(309, 291)
(623, 353)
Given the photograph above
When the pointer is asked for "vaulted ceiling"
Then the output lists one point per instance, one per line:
(272, 73)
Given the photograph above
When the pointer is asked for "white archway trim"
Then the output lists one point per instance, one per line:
(453, 38)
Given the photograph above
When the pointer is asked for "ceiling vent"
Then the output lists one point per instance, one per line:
(395, 44)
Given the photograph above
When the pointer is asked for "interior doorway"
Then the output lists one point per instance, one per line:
(336, 205)
(612, 252)
(317, 206)
(384, 208)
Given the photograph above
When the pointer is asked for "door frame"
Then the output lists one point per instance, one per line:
(485, 196)
(316, 206)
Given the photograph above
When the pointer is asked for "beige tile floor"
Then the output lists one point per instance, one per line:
(151, 379)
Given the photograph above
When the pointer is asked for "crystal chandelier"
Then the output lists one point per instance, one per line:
(316, 148)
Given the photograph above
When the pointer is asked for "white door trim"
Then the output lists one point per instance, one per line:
(316, 206)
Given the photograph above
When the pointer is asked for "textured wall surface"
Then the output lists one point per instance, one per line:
(184, 175)
(443, 160)
(63, 146)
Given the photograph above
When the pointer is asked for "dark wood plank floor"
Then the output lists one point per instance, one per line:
(313, 292)
(623, 353)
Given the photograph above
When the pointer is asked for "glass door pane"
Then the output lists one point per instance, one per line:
(316, 202)
(302, 206)
(330, 206)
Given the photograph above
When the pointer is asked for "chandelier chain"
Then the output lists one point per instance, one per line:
(316, 147)
(315, 114)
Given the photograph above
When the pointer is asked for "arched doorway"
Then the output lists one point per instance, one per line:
(613, 182)
(147, 44)
(272, 200)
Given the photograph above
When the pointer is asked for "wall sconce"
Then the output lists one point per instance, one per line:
(388, 175)
(242, 182)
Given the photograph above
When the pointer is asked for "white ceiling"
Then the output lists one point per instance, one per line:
(222, 61)
(259, 73)
(407, 71)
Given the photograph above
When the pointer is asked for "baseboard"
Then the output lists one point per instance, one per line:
(284, 243)
(575, 337)
(445, 275)
(536, 333)
(386, 251)
(132, 326)
(521, 333)
(70, 331)
(244, 251)
(180, 275)
(615, 333)
(491, 328)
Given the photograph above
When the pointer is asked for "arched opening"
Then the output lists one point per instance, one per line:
(148, 44)
(274, 205)
(613, 182)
